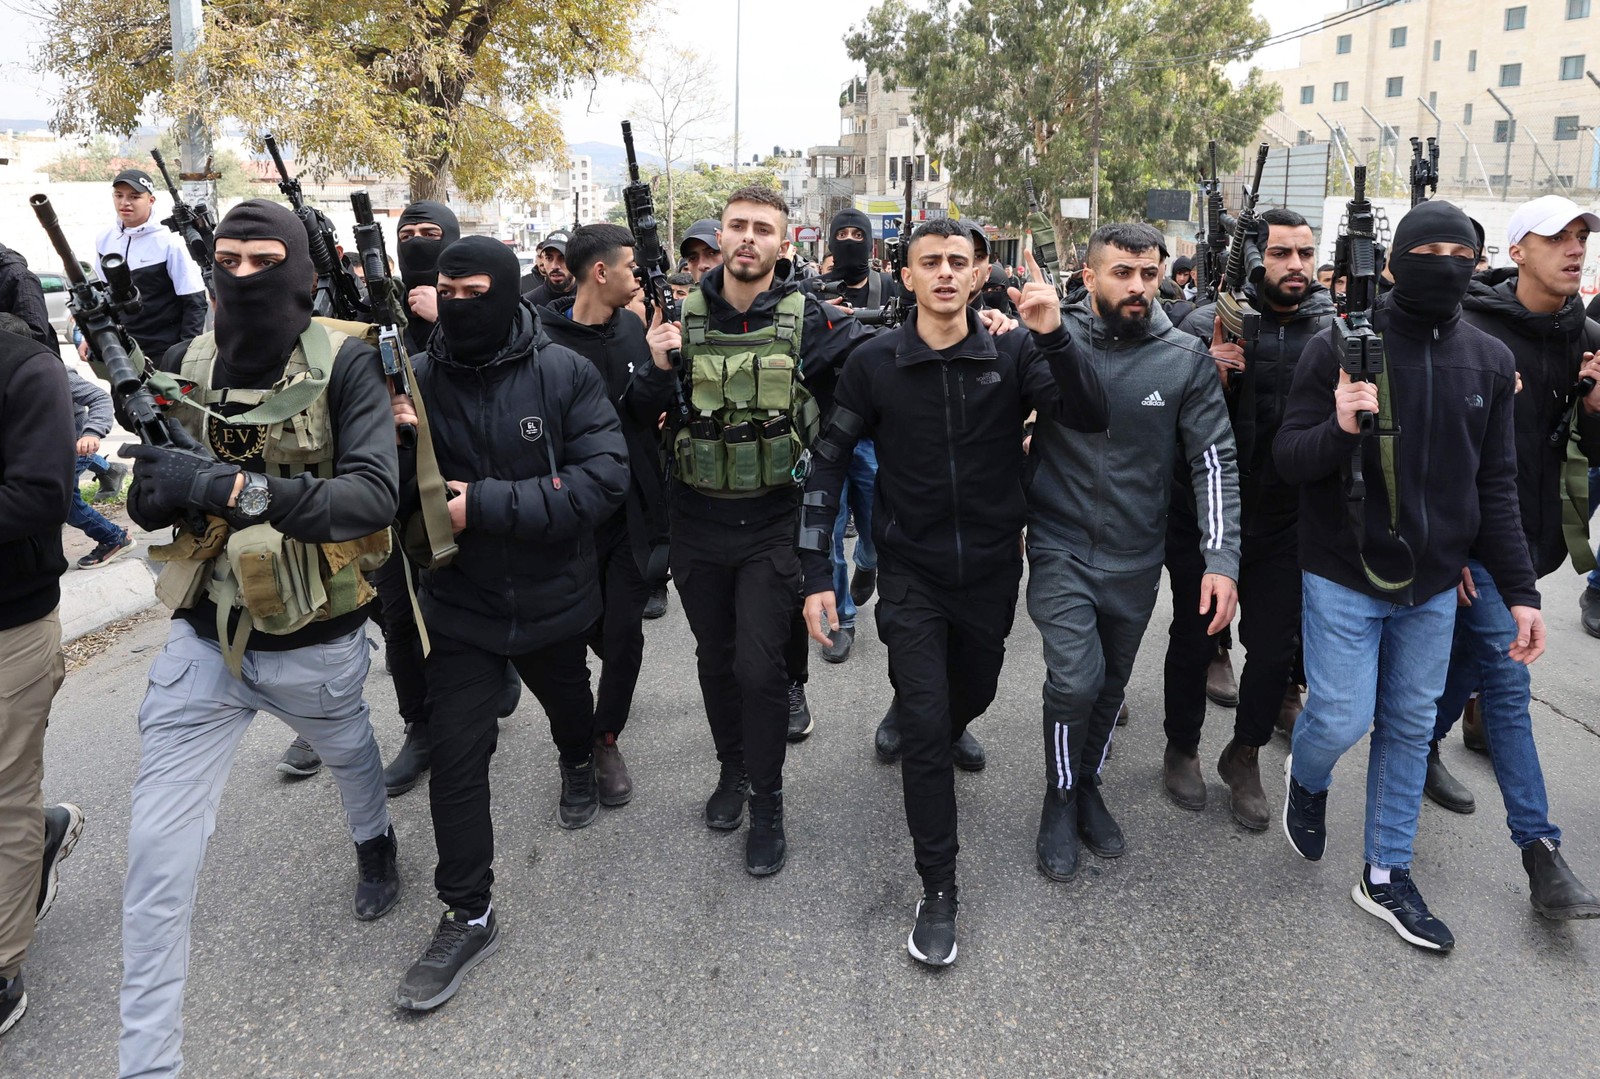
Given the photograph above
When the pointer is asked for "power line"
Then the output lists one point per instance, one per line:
(1255, 46)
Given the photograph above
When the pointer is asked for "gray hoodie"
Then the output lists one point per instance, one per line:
(1104, 497)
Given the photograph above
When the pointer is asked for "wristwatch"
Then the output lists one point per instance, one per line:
(254, 498)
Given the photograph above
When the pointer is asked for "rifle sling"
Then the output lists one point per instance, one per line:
(1386, 455)
(1575, 497)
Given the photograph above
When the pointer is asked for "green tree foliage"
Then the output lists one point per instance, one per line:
(102, 157)
(448, 94)
(1006, 90)
(701, 191)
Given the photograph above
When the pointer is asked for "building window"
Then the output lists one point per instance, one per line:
(894, 170)
(1472, 60)
(1438, 48)
(1510, 74)
(1341, 91)
(1466, 113)
(1566, 129)
(1571, 68)
(1577, 9)
(922, 172)
(1308, 94)
(1342, 43)
(1505, 131)
(1395, 87)
(1516, 18)
(1433, 99)
(1397, 37)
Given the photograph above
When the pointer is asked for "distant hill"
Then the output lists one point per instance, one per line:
(23, 125)
(611, 162)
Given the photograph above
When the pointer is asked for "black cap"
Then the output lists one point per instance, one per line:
(979, 237)
(557, 240)
(137, 179)
(704, 230)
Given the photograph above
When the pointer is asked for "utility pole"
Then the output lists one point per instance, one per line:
(195, 175)
(738, 19)
(1094, 150)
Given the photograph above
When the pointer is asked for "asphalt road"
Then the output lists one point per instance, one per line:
(640, 947)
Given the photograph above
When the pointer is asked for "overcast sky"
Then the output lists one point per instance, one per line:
(792, 61)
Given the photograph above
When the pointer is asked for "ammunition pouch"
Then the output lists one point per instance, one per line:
(817, 514)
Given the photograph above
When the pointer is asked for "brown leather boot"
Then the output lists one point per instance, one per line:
(1180, 772)
(1289, 711)
(611, 774)
(1221, 686)
(1240, 770)
(1472, 727)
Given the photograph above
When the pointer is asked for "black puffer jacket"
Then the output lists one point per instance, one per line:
(1549, 350)
(536, 440)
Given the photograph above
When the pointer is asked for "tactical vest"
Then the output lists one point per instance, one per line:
(278, 584)
(751, 418)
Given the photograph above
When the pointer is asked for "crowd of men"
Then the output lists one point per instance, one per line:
(577, 450)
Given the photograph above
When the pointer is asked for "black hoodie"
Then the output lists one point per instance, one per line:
(36, 478)
(1549, 350)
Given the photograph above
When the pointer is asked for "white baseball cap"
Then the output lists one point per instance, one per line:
(1548, 215)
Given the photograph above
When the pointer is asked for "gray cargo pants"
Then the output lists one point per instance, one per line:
(193, 716)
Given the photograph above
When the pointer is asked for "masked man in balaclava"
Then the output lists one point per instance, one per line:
(1380, 575)
(279, 489)
(424, 229)
(535, 460)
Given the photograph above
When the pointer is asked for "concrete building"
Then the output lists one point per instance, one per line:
(1508, 88)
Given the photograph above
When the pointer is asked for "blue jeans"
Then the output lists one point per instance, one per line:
(860, 481)
(1478, 661)
(1367, 658)
(82, 516)
(1594, 502)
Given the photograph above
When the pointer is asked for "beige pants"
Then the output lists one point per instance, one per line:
(31, 670)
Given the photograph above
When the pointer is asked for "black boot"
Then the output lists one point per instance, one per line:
(725, 807)
(1444, 788)
(1057, 847)
(967, 753)
(412, 760)
(887, 741)
(1555, 890)
(764, 847)
(1095, 824)
(580, 795)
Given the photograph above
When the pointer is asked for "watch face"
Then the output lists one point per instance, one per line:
(253, 501)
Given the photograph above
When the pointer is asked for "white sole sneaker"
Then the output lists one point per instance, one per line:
(1384, 914)
(53, 870)
(16, 1013)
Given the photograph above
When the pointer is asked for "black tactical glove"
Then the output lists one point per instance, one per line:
(180, 479)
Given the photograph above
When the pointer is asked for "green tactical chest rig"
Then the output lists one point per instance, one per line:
(750, 418)
(277, 584)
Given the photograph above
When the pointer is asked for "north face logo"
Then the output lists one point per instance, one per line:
(989, 378)
(532, 427)
(1154, 400)
(1474, 400)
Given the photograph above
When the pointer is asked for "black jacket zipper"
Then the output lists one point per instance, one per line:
(955, 491)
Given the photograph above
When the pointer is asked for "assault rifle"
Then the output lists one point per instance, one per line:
(387, 307)
(1241, 321)
(1211, 243)
(651, 263)
(338, 295)
(1424, 170)
(1045, 248)
(195, 224)
(893, 311)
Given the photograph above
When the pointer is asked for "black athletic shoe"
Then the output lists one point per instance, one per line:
(300, 760)
(863, 583)
(1400, 904)
(967, 752)
(378, 889)
(456, 948)
(656, 605)
(580, 795)
(933, 938)
(413, 759)
(107, 551)
(765, 849)
(1304, 817)
(63, 824)
(800, 722)
(1057, 846)
(13, 1002)
(725, 807)
(886, 742)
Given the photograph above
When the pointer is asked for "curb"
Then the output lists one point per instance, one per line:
(94, 598)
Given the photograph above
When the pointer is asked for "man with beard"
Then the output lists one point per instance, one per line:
(1533, 309)
(597, 325)
(750, 341)
(292, 475)
(531, 449)
(1292, 311)
(1380, 579)
(558, 281)
(700, 248)
(952, 563)
(1096, 525)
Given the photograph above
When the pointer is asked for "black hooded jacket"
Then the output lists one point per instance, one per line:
(1256, 405)
(532, 434)
(36, 478)
(1549, 350)
(641, 392)
(22, 295)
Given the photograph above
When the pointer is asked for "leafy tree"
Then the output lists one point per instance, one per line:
(437, 91)
(704, 190)
(1009, 90)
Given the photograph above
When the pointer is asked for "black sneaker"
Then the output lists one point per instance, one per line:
(725, 807)
(656, 605)
(800, 722)
(378, 889)
(106, 552)
(13, 1002)
(765, 849)
(933, 938)
(580, 796)
(456, 948)
(1304, 817)
(1400, 904)
(300, 760)
(63, 824)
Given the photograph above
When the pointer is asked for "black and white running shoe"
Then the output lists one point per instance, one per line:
(1400, 904)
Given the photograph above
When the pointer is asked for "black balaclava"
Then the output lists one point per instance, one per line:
(850, 257)
(260, 316)
(419, 256)
(1431, 287)
(475, 329)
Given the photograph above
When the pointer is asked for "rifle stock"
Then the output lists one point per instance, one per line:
(1240, 320)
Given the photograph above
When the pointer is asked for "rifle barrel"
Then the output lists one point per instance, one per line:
(46, 214)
